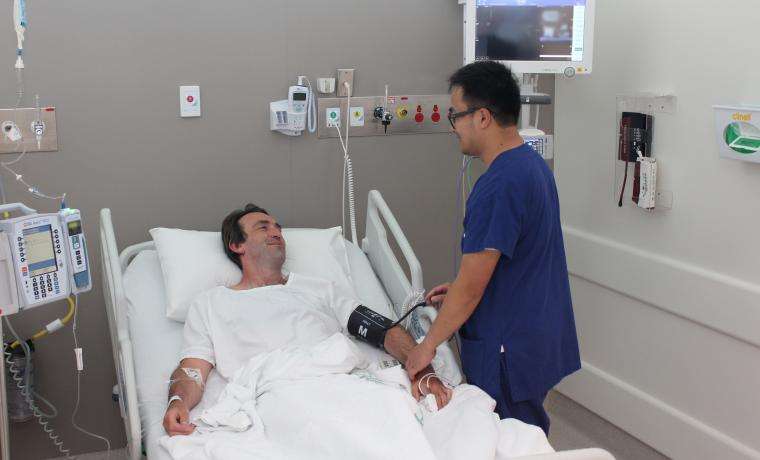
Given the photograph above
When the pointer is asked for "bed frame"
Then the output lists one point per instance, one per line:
(375, 245)
(398, 286)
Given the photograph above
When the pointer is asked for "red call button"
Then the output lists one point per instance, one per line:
(190, 98)
(419, 118)
(436, 117)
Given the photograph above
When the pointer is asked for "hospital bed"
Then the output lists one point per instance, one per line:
(146, 344)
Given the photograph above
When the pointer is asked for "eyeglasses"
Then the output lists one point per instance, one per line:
(452, 116)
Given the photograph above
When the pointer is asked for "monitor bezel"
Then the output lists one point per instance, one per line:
(537, 67)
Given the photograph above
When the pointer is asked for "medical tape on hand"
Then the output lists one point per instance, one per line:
(430, 375)
(419, 382)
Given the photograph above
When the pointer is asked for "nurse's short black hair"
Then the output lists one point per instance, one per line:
(233, 233)
(491, 85)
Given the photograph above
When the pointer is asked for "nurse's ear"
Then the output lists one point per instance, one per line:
(483, 118)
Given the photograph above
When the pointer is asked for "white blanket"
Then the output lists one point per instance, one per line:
(296, 403)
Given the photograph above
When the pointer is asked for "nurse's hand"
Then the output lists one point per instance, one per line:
(177, 419)
(436, 295)
(418, 359)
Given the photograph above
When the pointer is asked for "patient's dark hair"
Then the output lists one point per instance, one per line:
(233, 233)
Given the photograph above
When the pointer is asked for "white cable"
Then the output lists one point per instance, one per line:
(41, 418)
(20, 178)
(348, 183)
(79, 373)
(461, 205)
(20, 23)
(428, 376)
(53, 410)
(34, 191)
(538, 113)
(348, 172)
(311, 111)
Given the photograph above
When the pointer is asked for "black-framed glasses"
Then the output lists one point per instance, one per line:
(452, 116)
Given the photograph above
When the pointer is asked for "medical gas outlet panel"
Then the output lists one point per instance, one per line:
(404, 114)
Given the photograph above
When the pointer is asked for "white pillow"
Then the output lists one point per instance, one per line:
(193, 262)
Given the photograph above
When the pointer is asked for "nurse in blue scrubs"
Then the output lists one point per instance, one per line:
(510, 300)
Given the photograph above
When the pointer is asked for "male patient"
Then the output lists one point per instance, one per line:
(264, 312)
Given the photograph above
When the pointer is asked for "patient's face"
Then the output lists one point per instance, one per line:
(264, 242)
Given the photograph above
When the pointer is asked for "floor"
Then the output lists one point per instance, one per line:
(573, 427)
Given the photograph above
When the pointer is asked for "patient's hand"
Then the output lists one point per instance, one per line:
(431, 385)
(177, 419)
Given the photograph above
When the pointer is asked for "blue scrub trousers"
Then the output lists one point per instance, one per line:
(530, 411)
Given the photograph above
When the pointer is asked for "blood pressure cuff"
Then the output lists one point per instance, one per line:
(369, 326)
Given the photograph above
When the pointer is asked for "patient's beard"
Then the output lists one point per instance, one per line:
(271, 258)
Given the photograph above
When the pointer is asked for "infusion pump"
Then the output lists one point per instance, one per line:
(43, 258)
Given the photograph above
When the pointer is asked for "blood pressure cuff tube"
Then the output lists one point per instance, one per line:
(369, 326)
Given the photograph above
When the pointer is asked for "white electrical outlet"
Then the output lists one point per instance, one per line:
(345, 76)
(332, 116)
(357, 116)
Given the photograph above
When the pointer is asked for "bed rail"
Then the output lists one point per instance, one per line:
(116, 310)
(398, 286)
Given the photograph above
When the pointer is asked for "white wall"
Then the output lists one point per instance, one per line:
(667, 304)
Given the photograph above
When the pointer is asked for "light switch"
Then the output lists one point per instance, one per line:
(190, 101)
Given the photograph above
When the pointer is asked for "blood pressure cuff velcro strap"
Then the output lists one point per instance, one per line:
(369, 326)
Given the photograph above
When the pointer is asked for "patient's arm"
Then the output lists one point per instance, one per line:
(185, 384)
(398, 343)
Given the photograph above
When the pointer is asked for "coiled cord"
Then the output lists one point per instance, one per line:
(348, 173)
(24, 388)
(349, 179)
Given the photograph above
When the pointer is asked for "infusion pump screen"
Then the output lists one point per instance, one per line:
(530, 30)
(40, 252)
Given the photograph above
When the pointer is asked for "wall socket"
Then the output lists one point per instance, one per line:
(345, 76)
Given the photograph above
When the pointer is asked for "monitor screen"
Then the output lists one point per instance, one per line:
(40, 253)
(530, 30)
(299, 96)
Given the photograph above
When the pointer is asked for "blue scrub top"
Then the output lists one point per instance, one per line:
(526, 308)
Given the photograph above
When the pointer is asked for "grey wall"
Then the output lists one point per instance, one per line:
(113, 68)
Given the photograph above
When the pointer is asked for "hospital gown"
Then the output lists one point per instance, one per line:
(226, 327)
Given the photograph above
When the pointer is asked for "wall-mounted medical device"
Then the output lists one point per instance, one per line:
(637, 168)
(737, 132)
(532, 36)
(385, 116)
(635, 147)
(290, 116)
(31, 129)
(540, 141)
(43, 258)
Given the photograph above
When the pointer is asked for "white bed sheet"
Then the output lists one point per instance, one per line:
(157, 341)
